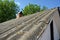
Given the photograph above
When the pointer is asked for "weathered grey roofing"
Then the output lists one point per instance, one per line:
(25, 28)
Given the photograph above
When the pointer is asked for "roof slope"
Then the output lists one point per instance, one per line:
(26, 28)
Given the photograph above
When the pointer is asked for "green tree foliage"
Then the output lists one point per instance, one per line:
(8, 10)
(30, 9)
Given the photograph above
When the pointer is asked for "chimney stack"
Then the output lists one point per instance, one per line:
(20, 14)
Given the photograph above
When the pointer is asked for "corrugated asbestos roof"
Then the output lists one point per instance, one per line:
(25, 28)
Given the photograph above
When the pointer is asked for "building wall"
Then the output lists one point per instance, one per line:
(56, 19)
(56, 26)
(46, 34)
(56, 33)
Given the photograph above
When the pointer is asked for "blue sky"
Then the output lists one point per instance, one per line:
(47, 3)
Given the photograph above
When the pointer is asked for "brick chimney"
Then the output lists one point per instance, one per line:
(20, 14)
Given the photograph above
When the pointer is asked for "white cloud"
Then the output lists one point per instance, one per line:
(17, 3)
